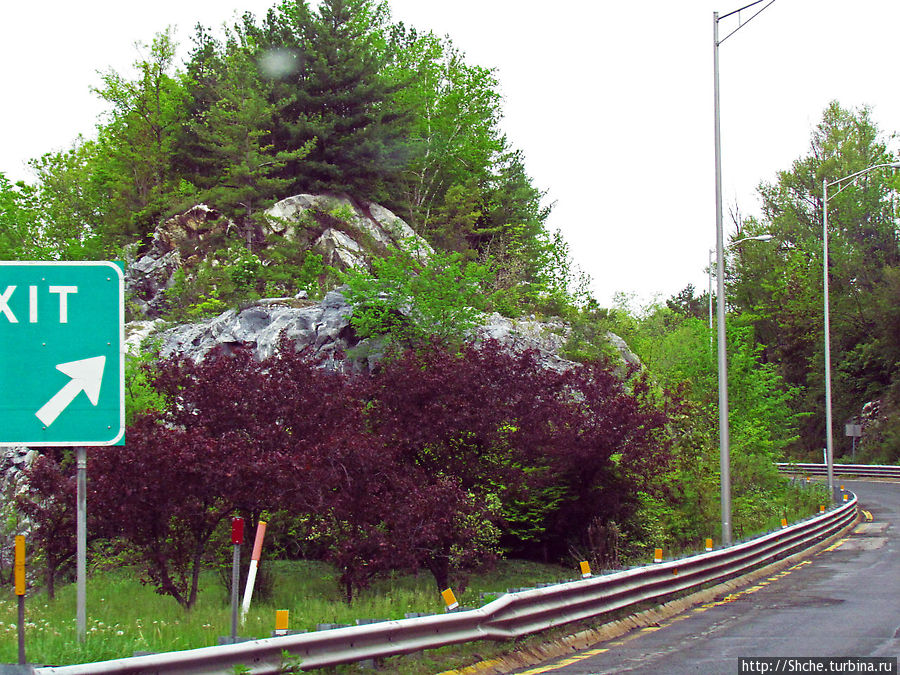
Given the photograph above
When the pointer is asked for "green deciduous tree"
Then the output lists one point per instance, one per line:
(411, 301)
(137, 143)
(454, 137)
(681, 357)
(779, 288)
(19, 232)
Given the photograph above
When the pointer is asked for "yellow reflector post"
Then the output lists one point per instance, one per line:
(19, 564)
(585, 569)
(784, 522)
(449, 599)
(709, 544)
(281, 619)
(657, 555)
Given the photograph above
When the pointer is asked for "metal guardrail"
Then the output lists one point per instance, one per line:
(509, 616)
(862, 470)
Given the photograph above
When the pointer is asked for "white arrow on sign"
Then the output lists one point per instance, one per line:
(86, 374)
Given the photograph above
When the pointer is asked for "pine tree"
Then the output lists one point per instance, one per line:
(235, 134)
(338, 97)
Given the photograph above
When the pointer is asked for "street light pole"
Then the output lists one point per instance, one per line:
(712, 252)
(849, 180)
(724, 443)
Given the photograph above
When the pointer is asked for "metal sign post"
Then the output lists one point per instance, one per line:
(81, 542)
(853, 429)
(237, 538)
(19, 573)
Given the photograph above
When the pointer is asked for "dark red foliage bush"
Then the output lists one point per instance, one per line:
(414, 466)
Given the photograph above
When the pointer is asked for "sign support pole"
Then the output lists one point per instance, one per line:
(237, 538)
(81, 546)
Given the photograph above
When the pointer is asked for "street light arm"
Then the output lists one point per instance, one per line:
(892, 165)
(758, 237)
(737, 11)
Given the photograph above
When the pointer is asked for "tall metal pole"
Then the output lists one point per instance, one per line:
(711, 261)
(724, 451)
(81, 542)
(829, 442)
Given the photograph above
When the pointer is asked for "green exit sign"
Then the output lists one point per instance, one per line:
(62, 374)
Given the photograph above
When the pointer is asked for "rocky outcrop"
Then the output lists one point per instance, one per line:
(324, 328)
(346, 233)
(13, 460)
(176, 243)
(546, 337)
(321, 327)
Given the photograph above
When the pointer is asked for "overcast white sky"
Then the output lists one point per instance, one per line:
(611, 102)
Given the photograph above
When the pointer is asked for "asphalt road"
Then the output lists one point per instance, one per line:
(843, 601)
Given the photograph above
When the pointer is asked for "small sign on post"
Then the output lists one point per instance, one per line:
(854, 431)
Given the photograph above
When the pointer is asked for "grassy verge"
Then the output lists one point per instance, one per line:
(124, 616)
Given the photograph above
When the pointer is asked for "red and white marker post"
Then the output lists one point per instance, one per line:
(254, 565)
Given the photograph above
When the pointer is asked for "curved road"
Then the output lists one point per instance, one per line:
(842, 601)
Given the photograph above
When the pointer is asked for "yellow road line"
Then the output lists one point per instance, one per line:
(565, 662)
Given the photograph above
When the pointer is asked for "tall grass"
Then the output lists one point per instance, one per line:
(125, 617)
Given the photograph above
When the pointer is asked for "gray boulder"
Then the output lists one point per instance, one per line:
(322, 327)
